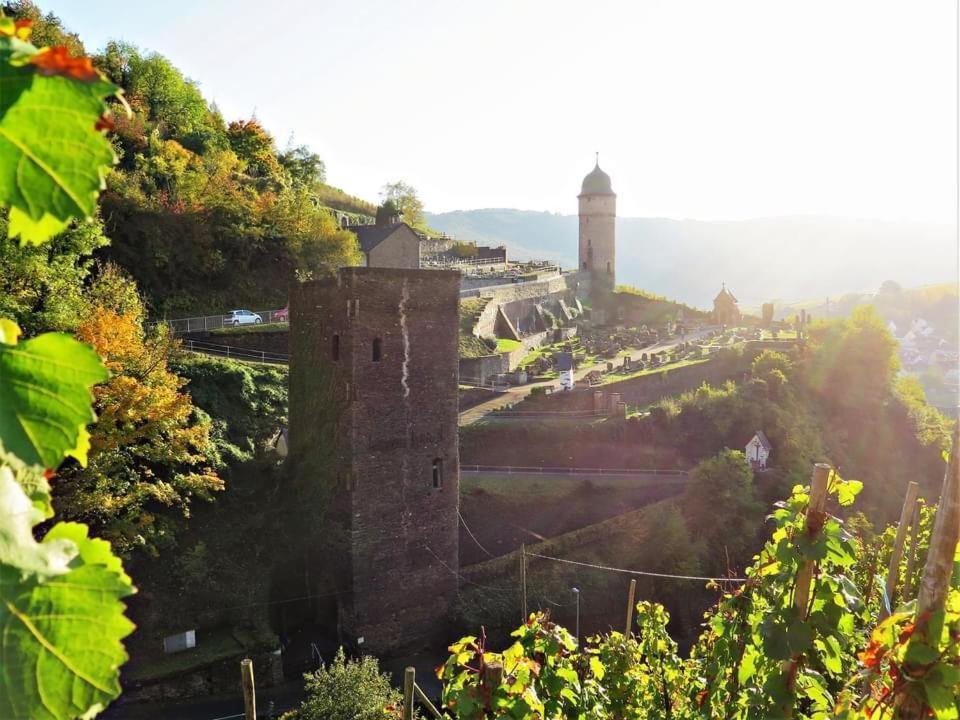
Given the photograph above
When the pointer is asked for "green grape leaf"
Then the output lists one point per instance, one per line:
(748, 665)
(847, 491)
(9, 332)
(942, 700)
(52, 154)
(18, 549)
(45, 400)
(61, 615)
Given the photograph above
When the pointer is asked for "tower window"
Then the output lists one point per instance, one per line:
(584, 264)
(609, 272)
(589, 242)
(377, 349)
(335, 348)
(438, 472)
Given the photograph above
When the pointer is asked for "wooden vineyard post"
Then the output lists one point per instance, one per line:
(523, 581)
(871, 574)
(249, 691)
(409, 681)
(630, 597)
(492, 676)
(814, 523)
(893, 570)
(907, 584)
(425, 701)
(801, 598)
(936, 574)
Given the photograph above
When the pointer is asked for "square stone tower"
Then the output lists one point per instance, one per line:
(373, 417)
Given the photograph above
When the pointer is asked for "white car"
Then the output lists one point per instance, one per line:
(242, 317)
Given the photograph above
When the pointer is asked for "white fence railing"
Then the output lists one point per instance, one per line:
(212, 322)
(439, 261)
(234, 352)
(538, 470)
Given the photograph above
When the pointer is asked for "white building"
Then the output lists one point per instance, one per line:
(758, 451)
(565, 368)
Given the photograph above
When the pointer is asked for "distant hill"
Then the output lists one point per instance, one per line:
(937, 304)
(782, 258)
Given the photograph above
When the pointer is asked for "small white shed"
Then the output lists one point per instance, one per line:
(758, 451)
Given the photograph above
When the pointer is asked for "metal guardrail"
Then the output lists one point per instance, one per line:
(538, 470)
(484, 385)
(441, 262)
(211, 322)
(233, 352)
(506, 412)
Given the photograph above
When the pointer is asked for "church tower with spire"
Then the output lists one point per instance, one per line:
(598, 217)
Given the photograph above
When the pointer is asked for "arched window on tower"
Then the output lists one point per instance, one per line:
(335, 348)
(584, 264)
(609, 271)
(438, 473)
(589, 242)
(377, 349)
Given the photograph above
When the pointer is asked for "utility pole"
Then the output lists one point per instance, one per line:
(249, 692)
(523, 580)
(576, 592)
(630, 599)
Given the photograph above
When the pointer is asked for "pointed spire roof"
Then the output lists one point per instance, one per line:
(725, 294)
(597, 182)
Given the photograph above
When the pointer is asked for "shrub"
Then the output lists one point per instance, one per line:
(348, 690)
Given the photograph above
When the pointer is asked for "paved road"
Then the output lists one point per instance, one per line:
(515, 394)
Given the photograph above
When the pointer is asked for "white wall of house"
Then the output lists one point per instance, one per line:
(756, 453)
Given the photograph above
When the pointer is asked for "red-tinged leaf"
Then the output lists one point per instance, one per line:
(906, 633)
(19, 29)
(104, 122)
(872, 655)
(58, 61)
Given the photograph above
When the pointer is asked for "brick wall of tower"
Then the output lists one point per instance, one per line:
(598, 217)
(396, 416)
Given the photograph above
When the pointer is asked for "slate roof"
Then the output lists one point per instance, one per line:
(369, 236)
(763, 440)
(564, 361)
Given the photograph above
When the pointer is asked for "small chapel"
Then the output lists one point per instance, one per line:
(725, 308)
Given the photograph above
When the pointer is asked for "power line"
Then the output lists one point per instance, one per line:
(638, 572)
(271, 602)
(474, 537)
(504, 591)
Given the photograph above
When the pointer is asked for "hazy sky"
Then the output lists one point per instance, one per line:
(707, 109)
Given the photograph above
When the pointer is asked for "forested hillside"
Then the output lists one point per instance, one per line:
(205, 212)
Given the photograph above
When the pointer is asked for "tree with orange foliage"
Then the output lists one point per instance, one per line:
(255, 147)
(150, 449)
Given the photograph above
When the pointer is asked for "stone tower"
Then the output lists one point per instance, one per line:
(373, 418)
(598, 217)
